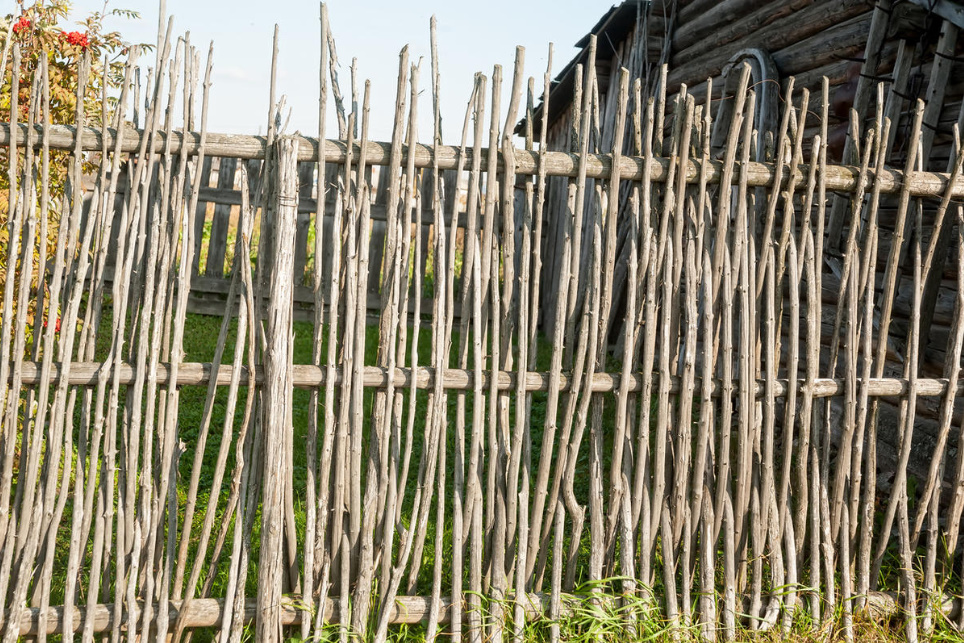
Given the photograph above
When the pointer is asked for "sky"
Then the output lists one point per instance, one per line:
(472, 37)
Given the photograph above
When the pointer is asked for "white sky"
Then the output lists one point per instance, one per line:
(472, 37)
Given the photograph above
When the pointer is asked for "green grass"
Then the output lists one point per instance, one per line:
(585, 619)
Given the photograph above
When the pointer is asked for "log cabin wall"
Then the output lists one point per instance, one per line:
(806, 40)
(905, 50)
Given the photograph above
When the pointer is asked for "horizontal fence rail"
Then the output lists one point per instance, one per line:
(408, 610)
(837, 178)
(306, 376)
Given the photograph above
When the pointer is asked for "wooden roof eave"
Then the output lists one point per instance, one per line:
(949, 10)
(611, 29)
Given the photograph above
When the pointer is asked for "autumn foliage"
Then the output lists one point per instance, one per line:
(41, 33)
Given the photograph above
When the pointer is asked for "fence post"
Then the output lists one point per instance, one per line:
(277, 391)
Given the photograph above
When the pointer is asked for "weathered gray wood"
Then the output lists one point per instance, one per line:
(838, 178)
(275, 421)
(898, 88)
(379, 231)
(218, 243)
(200, 214)
(707, 56)
(310, 204)
(307, 376)
(941, 240)
(306, 181)
(710, 310)
(209, 613)
(937, 87)
(315, 516)
(886, 305)
(957, 499)
(15, 223)
(861, 103)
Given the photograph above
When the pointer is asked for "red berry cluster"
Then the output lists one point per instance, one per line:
(21, 25)
(76, 38)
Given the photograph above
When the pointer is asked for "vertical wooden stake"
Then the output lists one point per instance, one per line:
(277, 397)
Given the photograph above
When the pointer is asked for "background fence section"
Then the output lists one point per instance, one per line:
(693, 446)
(216, 219)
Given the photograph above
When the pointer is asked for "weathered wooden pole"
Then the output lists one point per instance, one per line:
(277, 394)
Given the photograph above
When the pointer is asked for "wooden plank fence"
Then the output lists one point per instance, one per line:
(215, 231)
(694, 445)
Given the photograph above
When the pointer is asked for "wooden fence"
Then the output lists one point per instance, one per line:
(217, 213)
(693, 448)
